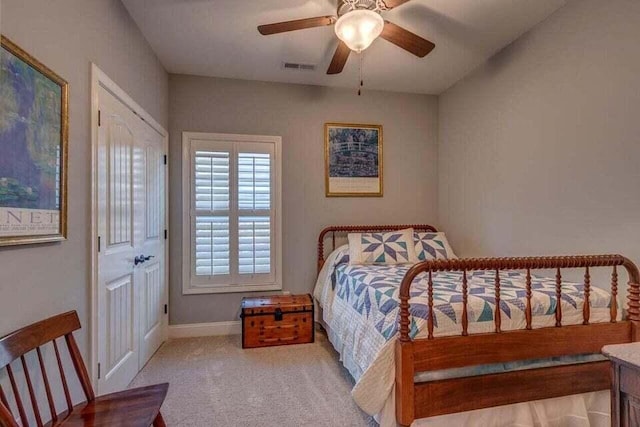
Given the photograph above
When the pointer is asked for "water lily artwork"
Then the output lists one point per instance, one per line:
(353, 160)
(33, 149)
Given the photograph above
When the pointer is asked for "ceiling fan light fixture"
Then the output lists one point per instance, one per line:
(359, 28)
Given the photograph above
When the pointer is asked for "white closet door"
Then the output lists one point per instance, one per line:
(151, 204)
(131, 280)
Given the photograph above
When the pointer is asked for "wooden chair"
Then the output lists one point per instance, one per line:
(137, 407)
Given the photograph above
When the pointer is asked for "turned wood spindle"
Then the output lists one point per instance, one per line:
(497, 315)
(558, 298)
(404, 316)
(614, 295)
(586, 308)
(528, 311)
(633, 310)
(465, 318)
(430, 296)
(634, 302)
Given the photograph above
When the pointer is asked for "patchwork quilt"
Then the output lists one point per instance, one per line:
(361, 309)
(373, 292)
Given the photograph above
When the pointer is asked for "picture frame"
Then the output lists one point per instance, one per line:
(353, 160)
(34, 138)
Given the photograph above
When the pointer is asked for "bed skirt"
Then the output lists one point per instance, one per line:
(581, 410)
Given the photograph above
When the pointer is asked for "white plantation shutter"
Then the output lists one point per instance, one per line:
(211, 231)
(233, 219)
(211, 194)
(254, 203)
(211, 180)
(212, 245)
(255, 244)
(254, 181)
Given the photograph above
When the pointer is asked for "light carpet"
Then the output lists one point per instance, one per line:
(214, 382)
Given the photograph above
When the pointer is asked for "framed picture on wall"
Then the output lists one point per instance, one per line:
(33, 149)
(353, 160)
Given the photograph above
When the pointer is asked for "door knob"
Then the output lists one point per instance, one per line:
(141, 259)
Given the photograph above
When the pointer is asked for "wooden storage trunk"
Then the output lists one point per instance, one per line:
(277, 320)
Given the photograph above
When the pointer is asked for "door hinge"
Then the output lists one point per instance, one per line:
(166, 234)
(165, 159)
(99, 118)
(166, 309)
(99, 243)
(98, 371)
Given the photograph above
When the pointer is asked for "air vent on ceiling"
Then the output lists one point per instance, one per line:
(295, 66)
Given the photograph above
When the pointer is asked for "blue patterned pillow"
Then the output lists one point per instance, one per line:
(394, 247)
(430, 246)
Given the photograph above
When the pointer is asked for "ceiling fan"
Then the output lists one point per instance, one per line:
(357, 24)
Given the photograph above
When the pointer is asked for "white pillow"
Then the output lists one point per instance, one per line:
(430, 246)
(393, 247)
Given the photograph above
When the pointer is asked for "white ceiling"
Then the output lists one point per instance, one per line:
(219, 38)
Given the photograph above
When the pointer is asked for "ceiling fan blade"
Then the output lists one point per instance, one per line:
(406, 39)
(339, 58)
(298, 24)
(390, 4)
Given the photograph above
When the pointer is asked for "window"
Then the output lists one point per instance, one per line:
(231, 213)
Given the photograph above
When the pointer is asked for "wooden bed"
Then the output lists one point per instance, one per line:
(421, 400)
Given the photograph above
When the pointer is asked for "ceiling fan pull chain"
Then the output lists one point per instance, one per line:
(361, 55)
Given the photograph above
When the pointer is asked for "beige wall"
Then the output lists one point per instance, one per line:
(298, 113)
(39, 281)
(539, 148)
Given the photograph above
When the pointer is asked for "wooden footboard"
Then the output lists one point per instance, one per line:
(463, 394)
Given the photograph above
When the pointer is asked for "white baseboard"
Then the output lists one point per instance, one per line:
(212, 329)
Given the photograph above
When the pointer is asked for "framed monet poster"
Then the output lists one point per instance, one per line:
(33, 149)
(353, 160)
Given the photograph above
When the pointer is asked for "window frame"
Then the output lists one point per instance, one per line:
(198, 139)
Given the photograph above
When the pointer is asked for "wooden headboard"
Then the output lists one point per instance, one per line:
(345, 229)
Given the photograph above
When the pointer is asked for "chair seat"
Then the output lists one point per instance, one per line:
(137, 407)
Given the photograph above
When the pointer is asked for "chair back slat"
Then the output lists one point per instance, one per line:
(5, 412)
(63, 378)
(16, 396)
(24, 340)
(81, 370)
(17, 345)
(3, 398)
(32, 395)
(47, 387)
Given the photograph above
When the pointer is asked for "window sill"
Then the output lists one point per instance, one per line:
(229, 289)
